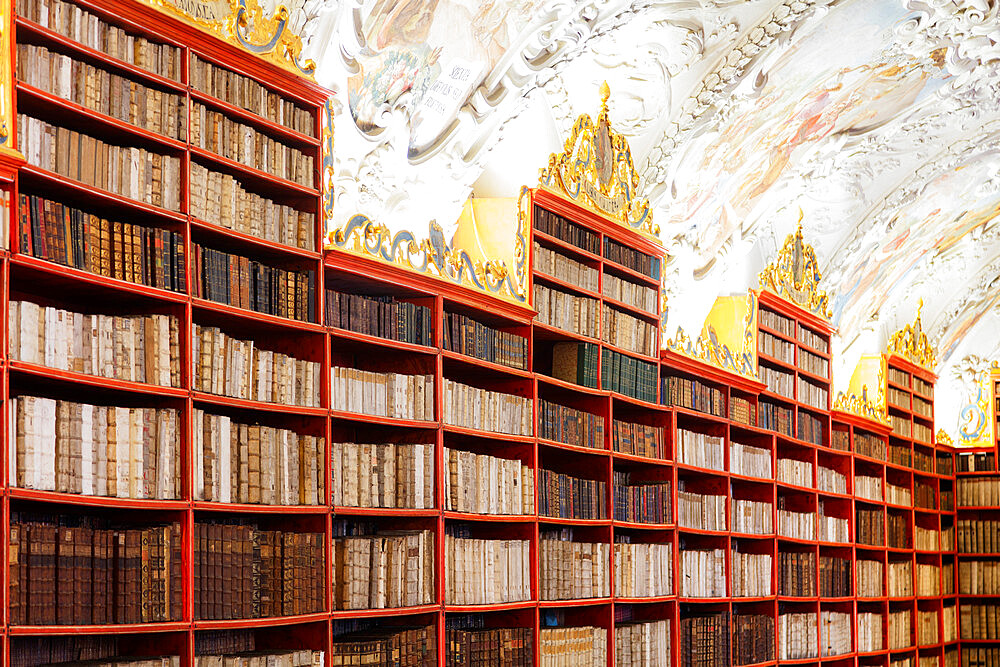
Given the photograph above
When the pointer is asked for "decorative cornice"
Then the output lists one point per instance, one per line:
(943, 438)
(595, 170)
(911, 342)
(795, 275)
(327, 173)
(708, 348)
(869, 407)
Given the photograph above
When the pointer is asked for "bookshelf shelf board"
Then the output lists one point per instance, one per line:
(287, 135)
(633, 525)
(39, 371)
(703, 601)
(788, 486)
(38, 179)
(250, 245)
(457, 360)
(646, 460)
(254, 316)
(750, 599)
(565, 247)
(270, 621)
(753, 536)
(899, 408)
(260, 182)
(246, 508)
(37, 33)
(130, 628)
(491, 518)
(634, 276)
(554, 520)
(491, 435)
(259, 406)
(17, 493)
(478, 608)
(30, 99)
(345, 336)
(36, 271)
(814, 377)
(654, 599)
(633, 310)
(576, 449)
(551, 333)
(562, 385)
(574, 602)
(684, 467)
(402, 512)
(650, 358)
(687, 530)
(813, 350)
(339, 614)
(563, 285)
(775, 361)
(797, 540)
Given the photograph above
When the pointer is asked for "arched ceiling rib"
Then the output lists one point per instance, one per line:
(878, 118)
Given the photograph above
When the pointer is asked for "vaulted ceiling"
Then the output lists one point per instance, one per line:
(878, 119)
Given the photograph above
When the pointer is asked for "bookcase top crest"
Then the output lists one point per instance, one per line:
(910, 342)
(595, 171)
(794, 275)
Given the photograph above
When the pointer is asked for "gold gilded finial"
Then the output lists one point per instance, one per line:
(795, 275)
(911, 342)
(605, 94)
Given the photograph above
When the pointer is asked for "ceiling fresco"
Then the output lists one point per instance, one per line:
(878, 119)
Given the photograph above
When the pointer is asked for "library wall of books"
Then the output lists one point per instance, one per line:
(243, 426)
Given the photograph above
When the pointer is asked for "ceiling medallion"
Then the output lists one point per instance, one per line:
(911, 342)
(795, 275)
(595, 170)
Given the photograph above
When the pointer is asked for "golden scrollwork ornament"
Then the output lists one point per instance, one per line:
(911, 343)
(795, 275)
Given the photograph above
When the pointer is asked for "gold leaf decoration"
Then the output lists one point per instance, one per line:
(911, 343)
(795, 275)
(944, 439)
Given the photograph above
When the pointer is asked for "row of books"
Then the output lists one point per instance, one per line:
(813, 340)
(900, 425)
(392, 395)
(922, 433)
(562, 310)
(795, 525)
(900, 579)
(981, 656)
(831, 481)
(638, 439)
(924, 496)
(216, 132)
(980, 620)
(250, 463)
(977, 491)
(567, 497)
(640, 297)
(777, 348)
(979, 577)
(749, 460)
(928, 579)
(241, 571)
(742, 410)
(471, 407)
(102, 91)
(902, 378)
(94, 450)
(128, 171)
(898, 397)
(834, 577)
(628, 332)
(382, 475)
(797, 636)
(753, 638)
(751, 517)
(927, 627)
(465, 335)
(639, 501)
(486, 571)
(576, 363)
(643, 570)
(778, 382)
(794, 471)
(629, 376)
(834, 632)
(869, 578)
(975, 462)
(700, 512)
(831, 528)
(814, 364)
(640, 262)
(241, 282)
(869, 632)
(870, 446)
(868, 487)
(30, 652)
(705, 640)
(797, 573)
(485, 484)
(392, 569)
(139, 348)
(932, 539)
(810, 428)
(899, 629)
(498, 647)
(694, 395)
(978, 536)
(642, 644)
(840, 439)
(774, 417)
(570, 426)
(70, 20)
(227, 366)
(221, 199)
(751, 574)
(587, 645)
(563, 229)
(87, 572)
(242, 91)
(700, 449)
(812, 394)
(897, 530)
(703, 573)
(380, 316)
(572, 570)
(923, 387)
(924, 460)
(776, 322)
(72, 237)
(557, 265)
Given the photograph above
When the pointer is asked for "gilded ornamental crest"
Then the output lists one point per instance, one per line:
(795, 275)
(911, 342)
(595, 170)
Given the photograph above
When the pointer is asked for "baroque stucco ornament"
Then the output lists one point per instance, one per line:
(911, 342)
(795, 275)
(595, 170)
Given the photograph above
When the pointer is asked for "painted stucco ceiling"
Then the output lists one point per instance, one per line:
(878, 119)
